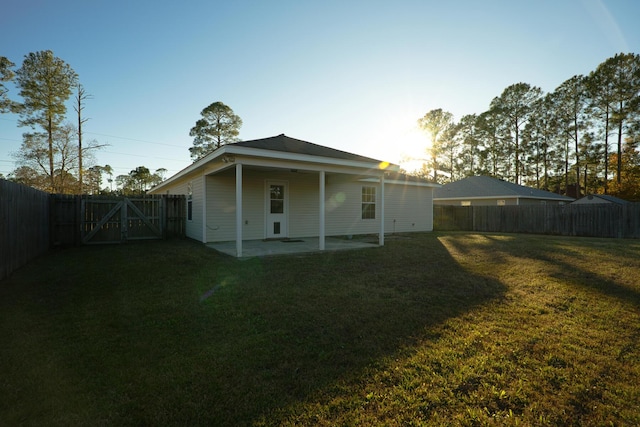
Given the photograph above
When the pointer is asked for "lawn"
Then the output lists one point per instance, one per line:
(431, 329)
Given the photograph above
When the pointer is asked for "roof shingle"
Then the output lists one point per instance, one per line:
(486, 186)
(291, 145)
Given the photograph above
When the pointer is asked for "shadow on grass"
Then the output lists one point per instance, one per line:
(174, 333)
(598, 264)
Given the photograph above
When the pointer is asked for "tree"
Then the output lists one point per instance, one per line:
(45, 83)
(109, 171)
(571, 98)
(592, 158)
(601, 97)
(615, 91)
(627, 187)
(218, 126)
(161, 172)
(514, 107)
(471, 146)
(29, 176)
(437, 123)
(6, 75)
(81, 97)
(137, 181)
(490, 135)
(34, 154)
(624, 70)
(93, 180)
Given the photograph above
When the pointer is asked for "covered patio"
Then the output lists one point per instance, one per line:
(259, 248)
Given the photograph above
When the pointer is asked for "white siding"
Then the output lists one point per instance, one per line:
(193, 228)
(411, 207)
(221, 208)
(344, 207)
(303, 204)
(408, 208)
(253, 205)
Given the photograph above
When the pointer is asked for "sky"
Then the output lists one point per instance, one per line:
(348, 74)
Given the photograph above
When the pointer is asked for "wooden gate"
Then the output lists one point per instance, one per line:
(108, 220)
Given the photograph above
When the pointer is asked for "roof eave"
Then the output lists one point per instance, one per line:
(191, 168)
(280, 155)
(308, 158)
(559, 199)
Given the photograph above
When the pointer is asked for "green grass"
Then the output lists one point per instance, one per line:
(431, 329)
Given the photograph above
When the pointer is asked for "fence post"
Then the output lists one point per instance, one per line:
(163, 216)
(124, 225)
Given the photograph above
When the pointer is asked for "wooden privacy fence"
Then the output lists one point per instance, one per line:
(597, 220)
(24, 225)
(97, 219)
(32, 221)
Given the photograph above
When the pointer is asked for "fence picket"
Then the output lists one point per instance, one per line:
(32, 221)
(568, 220)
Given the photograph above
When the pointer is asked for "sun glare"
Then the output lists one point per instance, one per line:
(410, 143)
(397, 139)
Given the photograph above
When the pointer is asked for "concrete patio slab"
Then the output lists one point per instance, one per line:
(259, 248)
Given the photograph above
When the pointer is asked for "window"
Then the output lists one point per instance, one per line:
(465, 203)
(190, 201)
(502, 202)
(368, 202)
(277, 199)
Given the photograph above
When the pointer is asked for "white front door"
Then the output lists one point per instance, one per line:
(276, 209)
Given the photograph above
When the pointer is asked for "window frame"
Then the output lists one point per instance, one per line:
(368, 202)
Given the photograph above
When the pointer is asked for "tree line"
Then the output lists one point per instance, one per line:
(54, 155)
(582, 138)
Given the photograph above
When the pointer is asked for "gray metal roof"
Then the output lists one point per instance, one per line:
(605, 199)
(488, 187)
(287, 144)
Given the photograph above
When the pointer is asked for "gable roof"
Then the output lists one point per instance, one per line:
(605, 198)
(287, 144)
(282, 147)
(403, 178)
(474, 187)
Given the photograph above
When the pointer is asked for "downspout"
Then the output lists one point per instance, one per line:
(381, 237)
(238, 210)
(204, 208)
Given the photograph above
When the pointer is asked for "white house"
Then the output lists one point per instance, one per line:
(281, 187)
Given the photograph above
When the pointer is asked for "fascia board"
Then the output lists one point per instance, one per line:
(563, 199)
(191, 168)
(304, 166)
(399, 182)
(305, 158)
(477, 198)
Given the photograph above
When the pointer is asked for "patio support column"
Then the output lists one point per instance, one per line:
(204, 208)
(321, 231)
(238, 210)
(381, 237)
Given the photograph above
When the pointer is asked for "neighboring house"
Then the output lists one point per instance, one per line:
(599, 199)
(488, 191)
(290, 188)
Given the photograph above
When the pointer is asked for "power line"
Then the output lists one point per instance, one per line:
(136, 140)
(106, 135)
(9, 139)
(144, 156)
